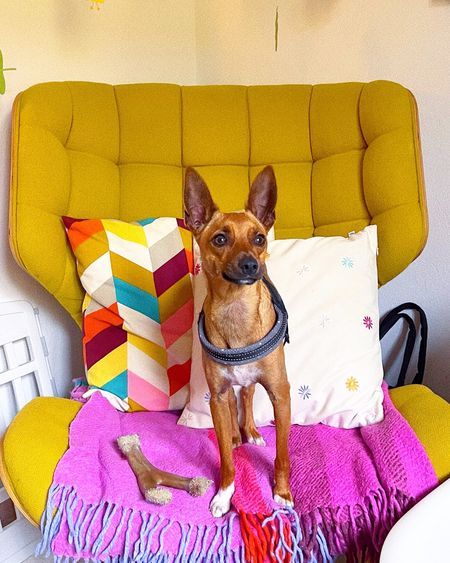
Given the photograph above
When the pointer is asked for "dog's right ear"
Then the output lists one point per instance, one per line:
(199, 206)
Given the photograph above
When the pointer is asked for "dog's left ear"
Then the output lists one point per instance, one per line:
(263, 197)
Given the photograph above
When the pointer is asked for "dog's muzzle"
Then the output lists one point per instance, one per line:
(247, 272)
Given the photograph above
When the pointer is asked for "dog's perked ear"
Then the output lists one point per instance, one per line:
(263, 197)
(199, 206)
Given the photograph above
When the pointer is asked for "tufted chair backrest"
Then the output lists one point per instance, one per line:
(345, 156)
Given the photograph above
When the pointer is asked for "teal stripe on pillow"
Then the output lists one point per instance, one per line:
(118, 386)
(136, 298)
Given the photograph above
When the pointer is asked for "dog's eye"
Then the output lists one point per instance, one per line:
(220, 240)
(259, 240)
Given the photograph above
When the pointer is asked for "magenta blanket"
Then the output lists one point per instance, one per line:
(349, 486)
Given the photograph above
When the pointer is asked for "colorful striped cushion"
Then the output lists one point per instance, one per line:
(138, 309)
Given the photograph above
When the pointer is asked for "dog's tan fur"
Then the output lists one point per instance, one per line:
(237, 314)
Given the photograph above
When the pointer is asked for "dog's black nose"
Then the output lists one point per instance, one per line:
(248, 265)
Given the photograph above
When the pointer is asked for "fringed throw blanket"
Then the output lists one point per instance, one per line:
(349, 486)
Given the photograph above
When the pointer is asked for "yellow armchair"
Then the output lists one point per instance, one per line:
(345, 156)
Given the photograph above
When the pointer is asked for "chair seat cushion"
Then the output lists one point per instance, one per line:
(33, 444)
(429, 416)
(38, 437)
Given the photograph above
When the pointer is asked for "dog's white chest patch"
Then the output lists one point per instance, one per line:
(242, 375)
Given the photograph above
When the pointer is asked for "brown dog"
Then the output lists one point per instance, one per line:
(238, 311)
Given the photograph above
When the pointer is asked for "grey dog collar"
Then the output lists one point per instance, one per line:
(254, 352)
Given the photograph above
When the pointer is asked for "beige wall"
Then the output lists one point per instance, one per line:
(231, 41)
(407, 41)
(324, 41)
(125, 41)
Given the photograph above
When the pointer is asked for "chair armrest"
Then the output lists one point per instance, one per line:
(422, 533)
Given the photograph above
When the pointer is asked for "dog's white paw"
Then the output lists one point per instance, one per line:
(283, 502)
(221, 503)
(259, 441)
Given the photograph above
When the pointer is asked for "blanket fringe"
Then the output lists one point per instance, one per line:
(197, 544)
(358, 532)
(320, 536)
(94, 532)
(282, 537)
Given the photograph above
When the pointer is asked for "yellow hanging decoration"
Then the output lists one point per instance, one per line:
(96, 3)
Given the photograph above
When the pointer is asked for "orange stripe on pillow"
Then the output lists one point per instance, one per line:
(80, 231)
(99, 320)
(190, 260)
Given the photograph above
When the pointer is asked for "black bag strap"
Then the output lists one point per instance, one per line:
(390, 319)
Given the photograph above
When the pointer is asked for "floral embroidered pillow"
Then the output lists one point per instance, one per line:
(138, 309)
(330, 288)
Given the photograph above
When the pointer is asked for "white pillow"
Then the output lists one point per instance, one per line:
(330, 289)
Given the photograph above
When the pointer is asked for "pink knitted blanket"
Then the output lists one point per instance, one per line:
(349, 486)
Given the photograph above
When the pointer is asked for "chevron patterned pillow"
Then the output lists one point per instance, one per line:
(138, 309)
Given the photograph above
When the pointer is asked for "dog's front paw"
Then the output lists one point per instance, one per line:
(257, 440)
(221, 503)
(284, 499)
(254, 437)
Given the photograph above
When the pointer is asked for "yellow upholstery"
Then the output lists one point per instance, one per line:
(345, 155)
(33, 444)
(429, 416)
